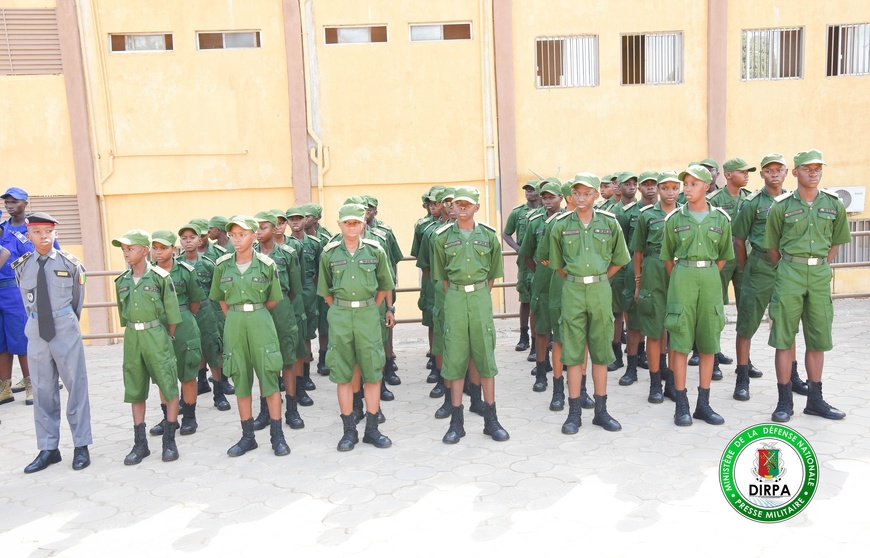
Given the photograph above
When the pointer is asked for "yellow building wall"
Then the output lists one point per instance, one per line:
(610, 127)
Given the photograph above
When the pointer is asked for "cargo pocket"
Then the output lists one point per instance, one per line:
(377, 360)
(645, 305)
(192, 354)
(272, 361)
(719, 313)
(674, 319)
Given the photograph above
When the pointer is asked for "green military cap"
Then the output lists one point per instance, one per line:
(132, 238)
(466, 193)
(668, 176)
(317, 209)
(266, 217)
(244, 221)
(588, 179)
(307, 210)
(218, 221)
(540, 184)
(533, 184)
(710, 163)
(360, 200)
(566, 187)
(625, 177)
(550, 185)
(698, 171)
(736, 164)
(773, 158)
(424, 197)
(166, 238)
(813, 156)
(444, 194)
(432, 194)
(278, 214)
(648, 175)
(694, 163)
(201, 224)
(352, 212)
(295, 211)
(371, 201)
(191, 227)
(607, 178)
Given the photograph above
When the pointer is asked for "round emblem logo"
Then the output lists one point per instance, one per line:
(769, 473)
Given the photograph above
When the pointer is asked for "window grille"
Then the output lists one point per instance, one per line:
(652, 58)
(567, 61)
(29, 42)
(848, 50)
(858, 250)
(772, 54)
(355, 34)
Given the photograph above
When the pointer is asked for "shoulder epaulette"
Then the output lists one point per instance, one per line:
(829, 193)
(520, 207)
(753, 195)
(21, 260)
(533, 217)
(609, 214)
(371, 242)
(629, 206)
(219, 248)
(206, 258)
(444, 228)
(560, 216)
(488, 226)
(747, 190)
(329, 246)
(335, 237)
(782, 197)
(265, 259)
(314, 238)
(421, 220)
(160, 271)
(722, 211)
(430, 224)
(126, 273)
(553, 217)
(668, 216)
(382, 225)
(379, 234)
(69, 257)
(646, 207)
(185, 265)
(287, 248)
(712, 194)
(223, 258)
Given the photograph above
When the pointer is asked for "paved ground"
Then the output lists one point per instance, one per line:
(645, 489)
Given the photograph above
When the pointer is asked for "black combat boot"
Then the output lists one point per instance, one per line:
(386, 394)
(524, 340)
(291, 415)
(741, 386)
(817, 406)
(350, 437)
(439, 387)
(681, 412)
(533, 355)
(717, 372)
(157, 429)
(670, 390)
(390, 375)
(642, 361)
(140, 446)
(557, 403)
(695, 359)
(202, 382)
(630, 375)
(431, 363)
(602, 418)
(170, 450)
(616, 364)
(358, 413)
(491, 426)
(247, 442)
(220, 400)
(753, 371)
(262, 419)
(321, 363)
(477, 405)
(372, 435)
(457, 426)
(540, 377)
(302, 397)
(228, 387)
(797, 385)
(703, 411)
(572, 423)
(586, 402)
(276, 435)
(724, 359)
(655, 388)
(188, 423)
(434, 373)
(784, 405)
(446, 408)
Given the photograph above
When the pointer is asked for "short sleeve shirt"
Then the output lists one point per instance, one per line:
(751, 219)
(257, 285)
(357, 276)
(584, 250)
(466, 260)
(687, 239)
(648, 235)
(797, 228)
(151, 298)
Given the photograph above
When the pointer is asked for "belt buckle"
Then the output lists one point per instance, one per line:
(247, 307)
(588, 280)
(139, 326)
(812, 261)
(469, 288)
(355, 304)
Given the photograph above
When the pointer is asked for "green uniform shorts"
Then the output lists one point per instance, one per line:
(187, 347)
(587, 319)
(731, 273)
(438, 318)
(251, 346)
(309, 299)
(759, 277)
(285, 327)
(210, 335)
(802, 294)
(301, 327)
(541, 299)
(355, 339)
(426, 301)
(322, 322)
(653, 297)
(148, 355)
(556, 284)
(629, 304)
(617, 285)
(524, 282)
(694, 313)
(469, 333)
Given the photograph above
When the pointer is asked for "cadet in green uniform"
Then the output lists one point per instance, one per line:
(516, 223)
(310, 256)
(467, 259)
(550, 192)
(217, 234)
(695, 247)
(586, 247)
(210, 322)
(758, 272)
(354, 278)
(651, 280)
(148, 309)
(804, 232)
(624, 195)
(608, 189)
(424, 301)
(246, 285)
(311, 229)
(283, 315)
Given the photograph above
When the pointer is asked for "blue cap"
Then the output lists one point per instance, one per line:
(15, 193)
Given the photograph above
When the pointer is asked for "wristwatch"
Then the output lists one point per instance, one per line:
(391, 309)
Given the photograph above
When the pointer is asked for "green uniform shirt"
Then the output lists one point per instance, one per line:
(797, 228)
(289, 269)
(583, 250)
(390, 245)
(687, 239)
(187, 287)
(424, 256)
(647, 237)
(419, 226)
(466, 260)
(607, 205)
(214, 251)
(310, 250)
(150, 299)
(536, 235)
(203, 269)
(723, 198)
(357, 276)
(257, 285)
(628, 218)
(518, 220)
(751, 219)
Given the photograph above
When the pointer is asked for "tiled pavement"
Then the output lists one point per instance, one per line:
(650, 489)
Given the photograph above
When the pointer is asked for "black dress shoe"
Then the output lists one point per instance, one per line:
(81, 458)
(43, 460)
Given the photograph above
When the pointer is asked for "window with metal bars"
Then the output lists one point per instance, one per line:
(652, 58)
(858, 250)
(567, 61)
(848, 50)
(772, 54)
(355, 34)
(29, 42)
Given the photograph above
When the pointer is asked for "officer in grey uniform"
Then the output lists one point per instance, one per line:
(51, 283)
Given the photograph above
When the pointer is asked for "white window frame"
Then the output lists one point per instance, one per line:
(774, 56)
(856, 57)
(139, 51)
(572, 75)
(440, 24)
(367, 26)
(258, 36)
(653, 62)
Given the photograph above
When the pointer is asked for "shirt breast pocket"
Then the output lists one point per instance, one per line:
(714, 235)
(368, 273)
(796, 224)
(62, 286)
(826, 223)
